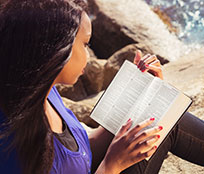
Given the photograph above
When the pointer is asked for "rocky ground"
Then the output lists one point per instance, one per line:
(187, 74)
(119, 29)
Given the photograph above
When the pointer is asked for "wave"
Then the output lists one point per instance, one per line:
(187, 16)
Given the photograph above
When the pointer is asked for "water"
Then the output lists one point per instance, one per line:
(187, 16)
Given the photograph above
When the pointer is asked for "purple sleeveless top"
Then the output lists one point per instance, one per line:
(66, 161)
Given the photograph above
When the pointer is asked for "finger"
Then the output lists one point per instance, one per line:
(142, 60)
(144, 146)
(144, 67)
(156, 70)
(145, 57)
(146, 60)
(137, 57)
(147, 135)
(153, 139)
(124, 128)
(155, 62)
(139, 127)
(146, 154)
(150, 59)
(151, 66)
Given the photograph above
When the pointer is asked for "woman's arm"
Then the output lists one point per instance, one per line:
(114, 154)
(129, 146)
(99, 140)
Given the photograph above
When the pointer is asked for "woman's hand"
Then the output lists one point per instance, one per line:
(148, 63)
(129, 146)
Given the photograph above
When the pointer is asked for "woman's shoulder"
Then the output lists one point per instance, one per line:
(56, 100)
(54, 94)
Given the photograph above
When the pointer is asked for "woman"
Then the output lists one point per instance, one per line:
(44, 42)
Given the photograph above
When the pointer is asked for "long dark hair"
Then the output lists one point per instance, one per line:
(36, 38)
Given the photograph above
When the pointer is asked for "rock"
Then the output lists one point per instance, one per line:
(166, 19)
(117, 24)
(90, 83)
(91, 54)
(92, 99)
(197, 107)
(74, 92)
(82, 109)
(94, 76)
(187, 74)
(116, 60)
(175, 165)
(89, 130)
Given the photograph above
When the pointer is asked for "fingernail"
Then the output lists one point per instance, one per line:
(143, 70)
(155, 147)
(160, 127)
(147, 65)
(152, 119)
(129, 120)
(158, 136)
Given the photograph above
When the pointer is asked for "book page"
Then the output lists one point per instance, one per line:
(163, 102)
(172, 116)
(127, 86)
(139, 96)
(136, 95)
(155, 103)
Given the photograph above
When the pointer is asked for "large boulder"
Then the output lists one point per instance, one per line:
(91, 82)
(119, 23)
(116, 60)
(74, 92)
(187, 74)
(93, 77)
(89, 130)
(83, 108)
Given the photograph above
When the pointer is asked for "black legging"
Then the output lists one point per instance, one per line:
(185, 141)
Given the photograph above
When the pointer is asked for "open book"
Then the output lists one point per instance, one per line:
(139, 96)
